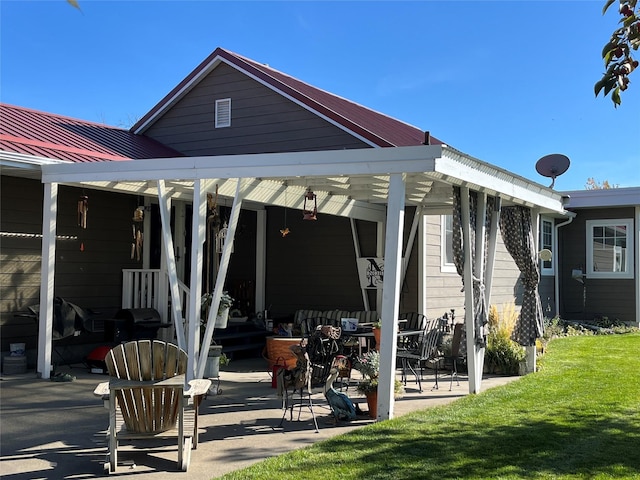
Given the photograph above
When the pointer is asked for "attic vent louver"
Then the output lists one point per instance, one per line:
(223, 113)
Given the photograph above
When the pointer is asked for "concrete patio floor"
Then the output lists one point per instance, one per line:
(57, 430)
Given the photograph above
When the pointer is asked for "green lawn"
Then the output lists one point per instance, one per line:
(578, 417)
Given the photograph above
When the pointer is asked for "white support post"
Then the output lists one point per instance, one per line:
(491, 254)
(422, 266)
(164, 201)
(198, 224)
(261, 259)
(472, 359)
(535, 229)
(161, 301)
(380, 247)
(481, 216)
(356, 249)
(47, 278)
(391, 295)
(222, 273)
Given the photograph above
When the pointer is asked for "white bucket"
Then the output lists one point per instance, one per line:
(222, 319)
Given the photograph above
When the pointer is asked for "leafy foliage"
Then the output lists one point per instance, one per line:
(593, 184)
(617, 53)
(369, 366)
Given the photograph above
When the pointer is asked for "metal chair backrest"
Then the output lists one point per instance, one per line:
(431, 339)
(457, 337)
(414, 321)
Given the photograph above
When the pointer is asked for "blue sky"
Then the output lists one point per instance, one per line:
(504, 81)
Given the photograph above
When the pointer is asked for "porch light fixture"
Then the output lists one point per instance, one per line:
(221, 238)
(310, 206)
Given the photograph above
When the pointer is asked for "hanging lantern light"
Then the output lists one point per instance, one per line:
(221, 238)
(310, 206)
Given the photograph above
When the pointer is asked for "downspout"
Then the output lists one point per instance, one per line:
(556, 279)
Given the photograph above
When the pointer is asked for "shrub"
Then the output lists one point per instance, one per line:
(502, 354)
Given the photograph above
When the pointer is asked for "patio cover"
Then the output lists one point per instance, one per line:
(368, 184)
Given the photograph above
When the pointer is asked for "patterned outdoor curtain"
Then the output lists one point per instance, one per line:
(515, 225)
(479, 301)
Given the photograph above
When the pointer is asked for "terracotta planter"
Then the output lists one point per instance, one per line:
(376, 335)
(278, 348)
(372, 403)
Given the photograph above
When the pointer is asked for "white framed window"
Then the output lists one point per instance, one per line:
(610, 248)
(547, 241)
(446, 244)
(223, 113)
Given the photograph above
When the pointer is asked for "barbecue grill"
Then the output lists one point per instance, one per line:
(134, 324)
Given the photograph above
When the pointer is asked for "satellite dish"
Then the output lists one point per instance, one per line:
(545, 255)
(552, 166)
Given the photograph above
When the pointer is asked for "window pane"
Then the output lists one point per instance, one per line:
(448, 232)
(609, 248)
(546, 241)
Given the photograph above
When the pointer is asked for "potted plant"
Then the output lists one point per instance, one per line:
(222, 317)
(215, 360)
(375, 327)
(369, 366)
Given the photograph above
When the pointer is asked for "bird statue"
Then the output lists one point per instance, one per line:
(341, 405)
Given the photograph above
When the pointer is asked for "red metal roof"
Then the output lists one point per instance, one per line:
(42, 134)
(379, 129)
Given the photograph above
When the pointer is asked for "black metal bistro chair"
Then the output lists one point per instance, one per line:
(425, 349)
(450, 359)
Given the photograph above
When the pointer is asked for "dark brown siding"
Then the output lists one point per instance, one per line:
(241, 276)
(546, 288)
(90, 278)
(262, 121)
(612, 298)
(409, 288)
(314, 267)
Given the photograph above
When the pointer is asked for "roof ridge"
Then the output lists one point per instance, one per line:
(266, 65)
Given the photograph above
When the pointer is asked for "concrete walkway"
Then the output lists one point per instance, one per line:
(54, 430)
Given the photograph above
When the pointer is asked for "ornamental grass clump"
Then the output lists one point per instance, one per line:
(503, 355)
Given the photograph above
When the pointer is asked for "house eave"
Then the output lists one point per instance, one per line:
(603, 198)
(347, 182)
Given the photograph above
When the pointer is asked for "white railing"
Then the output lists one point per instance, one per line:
(150, 289)
(140, 288)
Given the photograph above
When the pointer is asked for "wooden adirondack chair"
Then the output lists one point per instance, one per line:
(146, 397)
